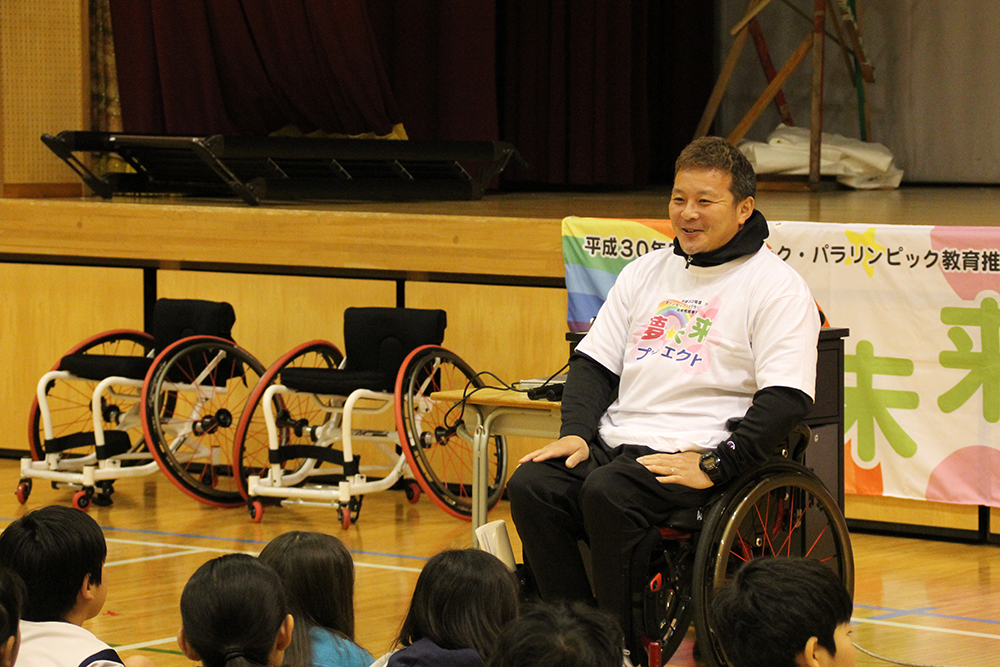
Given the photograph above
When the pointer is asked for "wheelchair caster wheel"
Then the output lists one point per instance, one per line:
(23, 490)
(81, 500)
(413, 492)
(256, 510)
(344, 515)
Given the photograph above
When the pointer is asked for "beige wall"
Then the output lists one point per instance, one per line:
(44, 69)
(44, 311)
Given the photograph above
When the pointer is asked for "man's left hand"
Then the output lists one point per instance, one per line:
(682, 468)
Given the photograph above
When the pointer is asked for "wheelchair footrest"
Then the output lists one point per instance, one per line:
(115, 442)
(325, 454)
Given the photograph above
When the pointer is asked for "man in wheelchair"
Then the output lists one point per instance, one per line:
(714, 328)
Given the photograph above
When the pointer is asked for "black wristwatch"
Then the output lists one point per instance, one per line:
(711, 465)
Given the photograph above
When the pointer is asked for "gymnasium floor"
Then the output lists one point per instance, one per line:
(916, 601)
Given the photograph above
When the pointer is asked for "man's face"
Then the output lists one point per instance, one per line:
(703, 212)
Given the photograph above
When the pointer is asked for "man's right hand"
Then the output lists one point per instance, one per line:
(572, 447)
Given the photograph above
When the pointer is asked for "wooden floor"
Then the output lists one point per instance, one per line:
(916, 601)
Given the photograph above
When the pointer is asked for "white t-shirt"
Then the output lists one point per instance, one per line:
(59, 644)
(693, 345)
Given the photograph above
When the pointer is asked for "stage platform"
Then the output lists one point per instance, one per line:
(506, 238)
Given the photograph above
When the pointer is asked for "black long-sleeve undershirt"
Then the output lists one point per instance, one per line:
(591, 388)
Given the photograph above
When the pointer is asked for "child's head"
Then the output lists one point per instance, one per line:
(560, 635)
(318, 573)
(234, 613)
(12, 595)
(783, 612)
(462, 600)
(59, 553)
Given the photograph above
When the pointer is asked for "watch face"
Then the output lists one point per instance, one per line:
(709, 462)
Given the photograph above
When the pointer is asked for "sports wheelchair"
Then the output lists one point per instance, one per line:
(781, 509)
(307, 401)
(126, 403)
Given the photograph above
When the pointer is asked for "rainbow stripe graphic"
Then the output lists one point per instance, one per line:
(592, 254)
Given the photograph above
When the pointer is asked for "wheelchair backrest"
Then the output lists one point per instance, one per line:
(378, 339)
(174, 319)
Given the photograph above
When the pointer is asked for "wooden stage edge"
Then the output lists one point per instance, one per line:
(456, 235)
(297, 241)
(504, 237)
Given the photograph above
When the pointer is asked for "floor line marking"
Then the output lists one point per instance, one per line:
(147, 559)
(916, 612)
(379, 566)
(152, 642)
(146, 531)
(185, 550)
(910, 626)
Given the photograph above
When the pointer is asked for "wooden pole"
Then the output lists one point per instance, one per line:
(816, 118)
(765, 98)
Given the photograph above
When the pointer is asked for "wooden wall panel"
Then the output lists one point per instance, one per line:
(43, 74)
(916, 512)
(514, 332)
(45, 310)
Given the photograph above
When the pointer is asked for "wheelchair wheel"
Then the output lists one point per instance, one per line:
(294, 414)
(440, 459)
(782, 511)
(69, 403)
(193, 398)
(662, 613)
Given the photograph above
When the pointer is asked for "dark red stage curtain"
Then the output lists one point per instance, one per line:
(440, 56)
(574, 89)
(587, 86)
(247, 67)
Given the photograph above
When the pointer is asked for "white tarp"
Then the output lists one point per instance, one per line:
(856, 164)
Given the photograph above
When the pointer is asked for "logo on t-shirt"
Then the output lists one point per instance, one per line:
(679, 331)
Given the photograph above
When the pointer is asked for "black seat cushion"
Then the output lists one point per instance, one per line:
(100, 366)
(376, 341)
(174, 319)
(335, 381)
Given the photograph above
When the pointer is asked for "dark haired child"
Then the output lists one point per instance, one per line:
(785, 612)
(12, 596)
(461, 602)
(560, 635)
(234, 614)
(59, 552)
(318, 573)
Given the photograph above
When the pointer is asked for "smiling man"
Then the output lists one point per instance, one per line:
(716, 327)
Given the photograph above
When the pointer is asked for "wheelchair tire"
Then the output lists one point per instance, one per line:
(439, 458)
(70, 406)
(250, 448)
(193, 398)
(781, 510)
(662, 613)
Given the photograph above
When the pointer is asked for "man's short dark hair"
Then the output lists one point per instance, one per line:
(560, 635)
(765, 616)
(53, 549)
(717, 153)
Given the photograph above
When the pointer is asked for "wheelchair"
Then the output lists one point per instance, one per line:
(126, 403)
(781, 509)
(307, 401)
